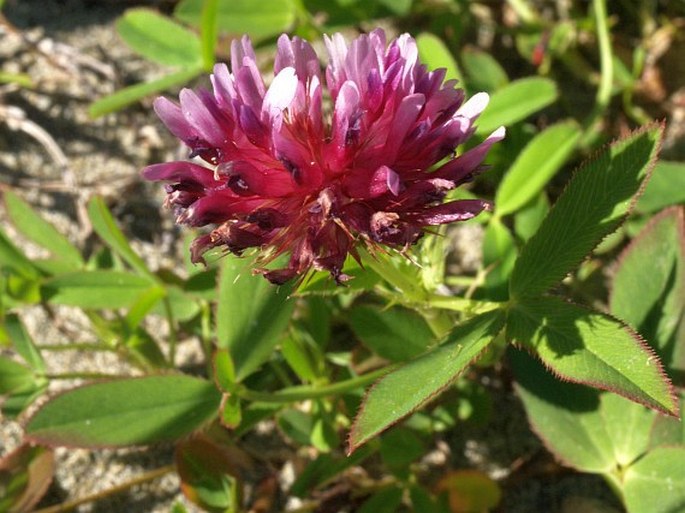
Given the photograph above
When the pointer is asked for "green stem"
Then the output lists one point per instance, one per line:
(303, 393)
(173, 338)
(206, 334)
(143, 478)
(460, 304)
(439, 321)
(606, 78)
(84, 375)
(77, 346)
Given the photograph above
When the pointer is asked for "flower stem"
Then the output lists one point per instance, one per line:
(143, 478)
(606, 79)
(173, 338)
(302, 393)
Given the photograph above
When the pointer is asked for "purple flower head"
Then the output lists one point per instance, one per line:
(284, 175)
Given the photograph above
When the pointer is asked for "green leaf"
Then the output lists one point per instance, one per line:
(325, 468)
(23, 343)
(536, 165)
(21, 79)
(516, 101)
(131, 94)
(237, 17)
(668, 431)
(14, 377)
(589, 430)
(434, 53)
(398, 7)
(124, 412)
(565, 416)
(96, 289)
(593, 205)
(320, 282)
(529, 218)
(654, 301)
(13, 258)
(105, 226)
(385, 501)
(209, 31)
(251, 315)
(499, 256)
(144, 351)
(395, 333)
(297, 352)
(183, 307)
(656, 483)
(159, 38)
(400, 447)
(15, 404)
(297, 425)
(666, 187)
(209, 475)
(584, 346)
(40, 231)
(484, 72)
(402, 391)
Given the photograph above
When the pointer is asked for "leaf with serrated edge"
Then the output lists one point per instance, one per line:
(656, 483)
(132, 411)
(406, 389)
(654, 302)
(583, 346)
(594, 204)
(565, 416)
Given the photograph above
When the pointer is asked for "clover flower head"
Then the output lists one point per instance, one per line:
(284, 174)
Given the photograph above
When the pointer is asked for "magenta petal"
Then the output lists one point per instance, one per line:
(180, 172)
(476, 104)
(280, 94)
(173, 118)
(459, 210)
(460, 168)
(199, 117)
(291, 177)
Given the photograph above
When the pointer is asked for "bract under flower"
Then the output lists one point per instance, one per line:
(283, 176)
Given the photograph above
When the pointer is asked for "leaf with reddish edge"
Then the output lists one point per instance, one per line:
(580, 345)
(589, 430)
(656, 483)
(403, 391)
(654, 302)
(133, 411)
(594, 204)
(209, 476)
(25, 475)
